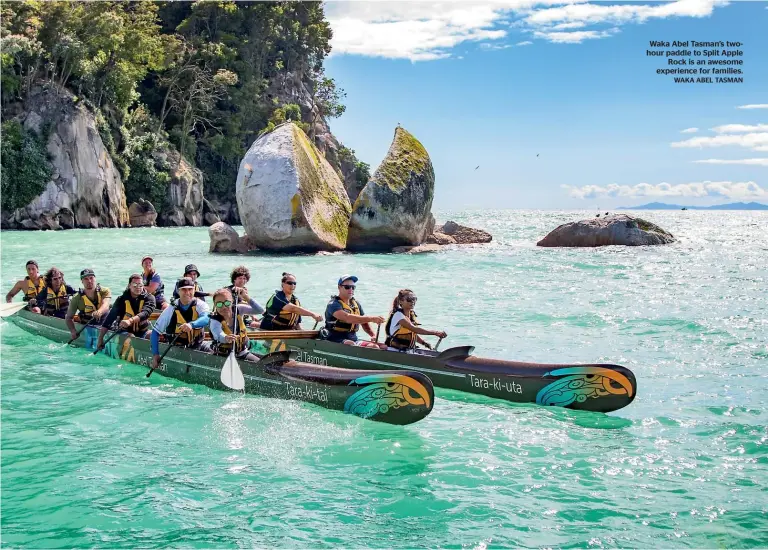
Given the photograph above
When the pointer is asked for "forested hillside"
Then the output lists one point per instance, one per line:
(204, 78)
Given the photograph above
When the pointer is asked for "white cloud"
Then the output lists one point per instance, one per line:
(738, 128)
(749, 162)
(723, 189)
(757, 141)
(423, 31)
(754, 105)
(689, 131)
(524, 43)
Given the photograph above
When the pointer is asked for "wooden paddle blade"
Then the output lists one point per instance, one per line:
(231, 375)
(6, 310)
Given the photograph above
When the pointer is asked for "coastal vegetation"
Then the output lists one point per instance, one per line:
(205, 78)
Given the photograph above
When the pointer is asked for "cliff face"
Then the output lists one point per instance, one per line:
(85, 190)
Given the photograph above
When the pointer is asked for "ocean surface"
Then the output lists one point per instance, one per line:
(95, 455)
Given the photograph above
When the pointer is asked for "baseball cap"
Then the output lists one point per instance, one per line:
(31, 262)
(186, 282)
(147, 258)
(347, 277)
(86, 273)
(190, 268)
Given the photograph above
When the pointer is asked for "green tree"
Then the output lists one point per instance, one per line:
(25, 164)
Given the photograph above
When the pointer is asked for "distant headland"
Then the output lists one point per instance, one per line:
(729, 206)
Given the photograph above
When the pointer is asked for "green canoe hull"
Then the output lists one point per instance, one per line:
(392, 396)
(589, 387)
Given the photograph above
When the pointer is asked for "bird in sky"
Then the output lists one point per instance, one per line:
(537, 154)
(476, 167)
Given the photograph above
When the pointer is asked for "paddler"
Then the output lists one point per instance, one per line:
(228, 331)
(133, 307)
(191, 272)
(344, 316)
(239, 278)
(153, 283)
(31, 285)
(402, 327)
(284, 309)
(90, 303)
(187, 319)
(54, 298)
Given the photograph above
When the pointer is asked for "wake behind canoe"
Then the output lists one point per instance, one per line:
(392, 396)
(589, 387)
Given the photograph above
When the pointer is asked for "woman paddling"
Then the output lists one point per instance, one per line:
(53, 300)
(402, 330)
(228, 331)
(284, 309)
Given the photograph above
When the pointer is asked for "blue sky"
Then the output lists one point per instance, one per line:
(496, 83)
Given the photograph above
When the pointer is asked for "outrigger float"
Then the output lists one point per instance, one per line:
(391, 396)
(588, 387)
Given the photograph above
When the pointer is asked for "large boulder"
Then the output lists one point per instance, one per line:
(615, 229)
(223, 238)
(142, 214)
(184, 199)
(394, 208)
(85, 189)
(289, 197)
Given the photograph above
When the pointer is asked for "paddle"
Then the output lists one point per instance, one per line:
(79, 332)
(378, 330)
(104, 345)
(6, 310)
(438, 344)
(173, 341)
(231, 375)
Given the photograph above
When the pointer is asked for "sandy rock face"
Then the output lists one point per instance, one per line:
(85, 189)
(615, 229)
(288, 195)
(394, 208)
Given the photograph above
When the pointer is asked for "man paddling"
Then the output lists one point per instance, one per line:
(31, 285)
(153, 283)
(90, 303)
(191, 272)
(133, 307)
(54, 298)
(344, 316)
(240, 277)
(187, 319)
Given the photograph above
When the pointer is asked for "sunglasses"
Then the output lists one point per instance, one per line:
(348, 287)
(225, 303)
(292, 283)
(411, 300)
(137, 285)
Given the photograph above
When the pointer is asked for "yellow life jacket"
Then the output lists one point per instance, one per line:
(88, 306)
(32, 291)
(137, 325)
(277, 315)
(181, 317)
(57, 300)
(342, 326)
(223, 348)
(402, 338)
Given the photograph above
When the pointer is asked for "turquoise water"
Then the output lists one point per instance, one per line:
(94, 454)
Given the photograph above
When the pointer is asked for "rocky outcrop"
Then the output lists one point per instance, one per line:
(225, 239)
(462, 234)
(184, 199)
(394, 207)
(615, 229)
(225, 210)
(210, 215)
(289, 197)
(142, 214)
(85, 189)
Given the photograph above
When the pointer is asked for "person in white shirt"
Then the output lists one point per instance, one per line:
(403, 329)
(229, 329)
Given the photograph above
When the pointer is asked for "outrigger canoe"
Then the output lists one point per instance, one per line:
(589, 387)
(391, 396)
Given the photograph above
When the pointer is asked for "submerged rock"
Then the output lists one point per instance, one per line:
(288, 195)
(462, 234)
(394, 208)
(420, 249)
(223, 238)
(614, 229)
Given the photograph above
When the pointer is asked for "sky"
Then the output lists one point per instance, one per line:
(495, 83)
